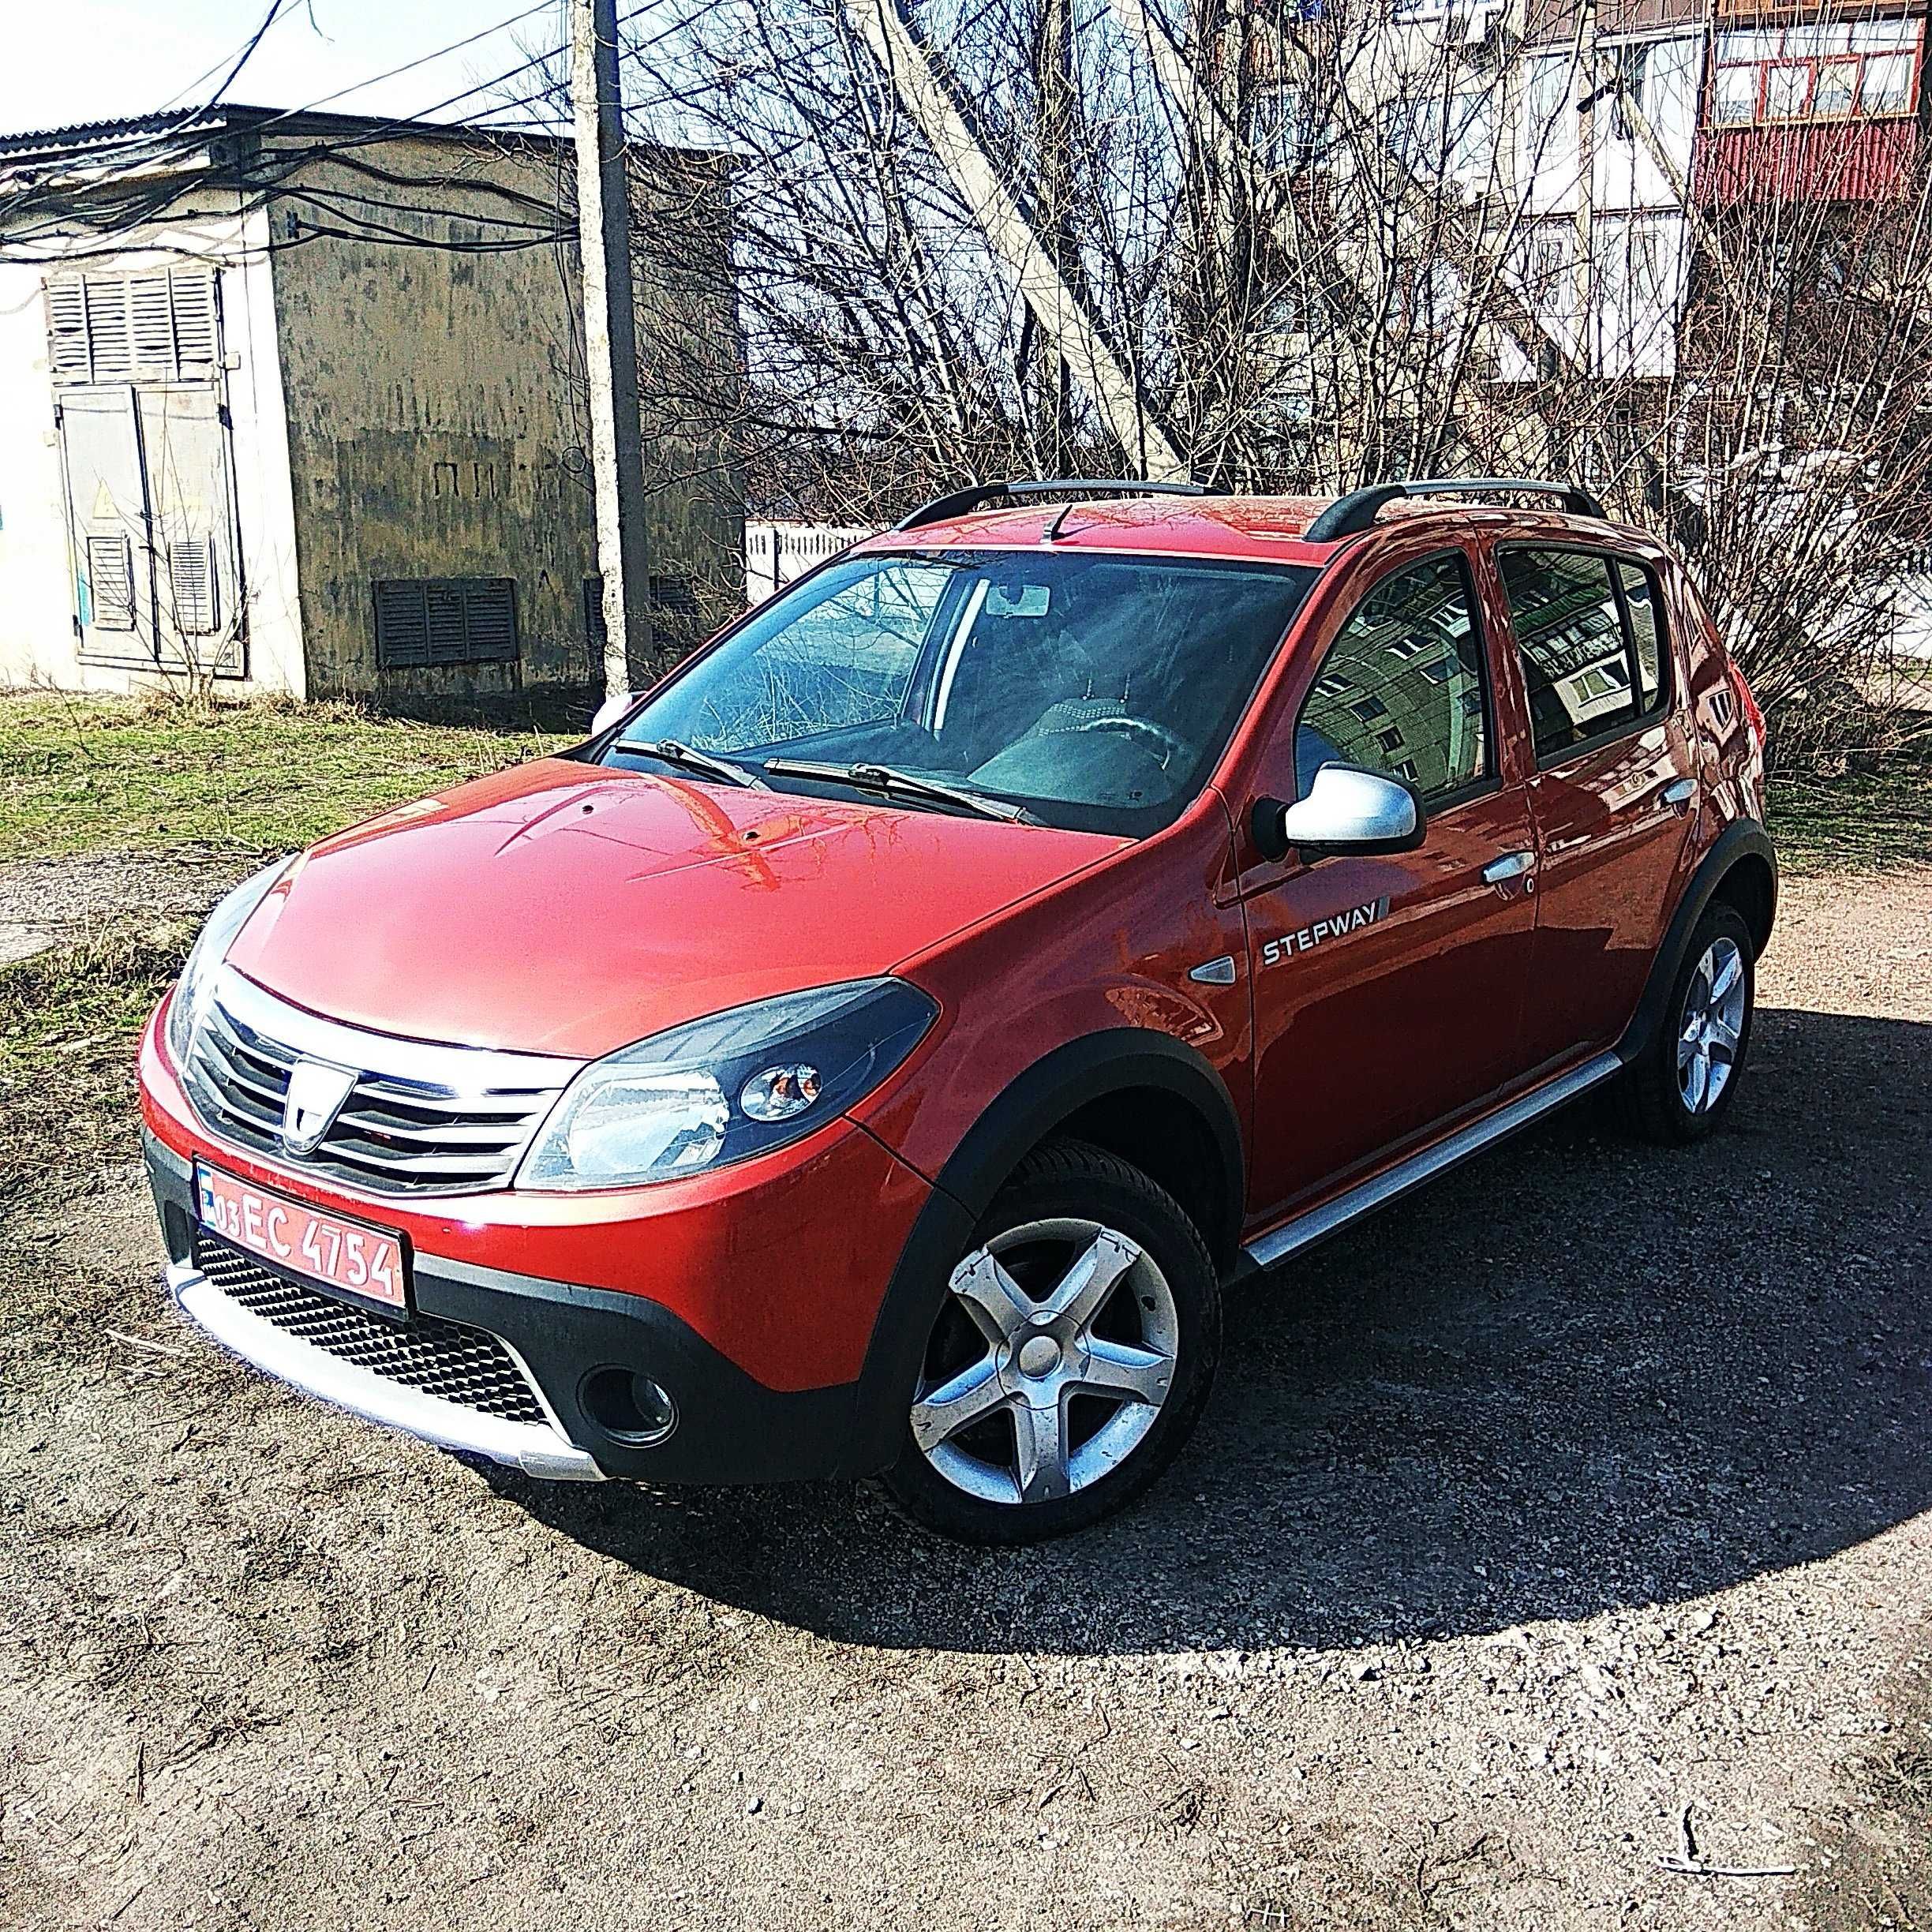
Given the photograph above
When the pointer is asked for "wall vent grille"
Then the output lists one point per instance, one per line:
(445, 620)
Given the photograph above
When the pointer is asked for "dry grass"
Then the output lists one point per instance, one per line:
(69, 1021)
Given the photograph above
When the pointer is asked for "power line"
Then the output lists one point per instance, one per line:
(149, 201)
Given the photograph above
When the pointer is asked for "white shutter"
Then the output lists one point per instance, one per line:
(162, 325)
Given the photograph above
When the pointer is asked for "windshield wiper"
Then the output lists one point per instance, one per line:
(671, 752)
(888, 779)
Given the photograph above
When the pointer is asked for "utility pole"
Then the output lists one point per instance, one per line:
(610, 345)
(1058, 303)
(1588, 88)
(1054, 89)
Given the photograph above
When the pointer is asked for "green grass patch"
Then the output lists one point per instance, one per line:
(87, 774)
(1861, 820)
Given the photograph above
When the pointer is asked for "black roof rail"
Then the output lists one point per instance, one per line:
(958, 502)
(1348, 515)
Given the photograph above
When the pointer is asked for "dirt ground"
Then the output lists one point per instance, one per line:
(1574, 1514)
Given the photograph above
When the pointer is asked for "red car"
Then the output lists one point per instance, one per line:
(873, 1052)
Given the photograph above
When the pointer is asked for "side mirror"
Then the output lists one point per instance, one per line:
(611, 710)
(1347, 810)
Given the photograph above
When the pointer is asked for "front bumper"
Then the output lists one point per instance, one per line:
(730, 1428)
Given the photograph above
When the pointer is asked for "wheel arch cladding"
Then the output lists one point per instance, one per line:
(1126, 1090)
(1149, 1098)
(1751, 884)
(1741, 870)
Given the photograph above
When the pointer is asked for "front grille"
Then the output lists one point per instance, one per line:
(420, 1118)
(435, 1357)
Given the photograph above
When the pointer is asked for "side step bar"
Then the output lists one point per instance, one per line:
(1319, 1222)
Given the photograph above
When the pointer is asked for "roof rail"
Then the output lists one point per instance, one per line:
(1348, 515)
(960, 501)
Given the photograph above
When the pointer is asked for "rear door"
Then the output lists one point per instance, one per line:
(1614, 793)
(1388, 987)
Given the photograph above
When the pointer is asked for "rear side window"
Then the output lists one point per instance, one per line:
(1403, 688)
(1642, 601)
(1591, 643)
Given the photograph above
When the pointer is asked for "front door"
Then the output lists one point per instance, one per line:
(1388, 989)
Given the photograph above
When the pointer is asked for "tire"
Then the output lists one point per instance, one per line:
(1030, 1444)
(1664, 1097)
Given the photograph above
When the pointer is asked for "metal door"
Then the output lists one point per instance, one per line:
(109, 517)
(136, 363)
(183, 444)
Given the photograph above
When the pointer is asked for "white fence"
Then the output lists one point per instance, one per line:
(775, 553)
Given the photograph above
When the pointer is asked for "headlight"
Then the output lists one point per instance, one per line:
(722, 1088)
(197, 985)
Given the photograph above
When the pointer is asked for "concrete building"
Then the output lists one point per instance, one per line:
(1605, 157)
(293, 402)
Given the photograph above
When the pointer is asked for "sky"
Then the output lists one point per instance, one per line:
(94, 60)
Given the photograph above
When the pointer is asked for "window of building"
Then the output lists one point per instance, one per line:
(1440, 732)
(1579, 633)
(444, 620)
(1629, 61)
(1546, 99)
(1822, 73)
(1445, 136)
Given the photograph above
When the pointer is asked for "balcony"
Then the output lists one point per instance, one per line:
(1821, 109)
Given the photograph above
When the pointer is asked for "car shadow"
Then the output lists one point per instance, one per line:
(1577, 1375)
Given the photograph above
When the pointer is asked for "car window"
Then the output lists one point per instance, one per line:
(1402, 689)
(1641, 600)
(1094, 690)
(847, 657)
(1579, 665)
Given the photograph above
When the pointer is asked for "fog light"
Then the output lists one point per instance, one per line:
(629, 1407)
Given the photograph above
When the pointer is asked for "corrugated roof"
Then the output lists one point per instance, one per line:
(85, 136)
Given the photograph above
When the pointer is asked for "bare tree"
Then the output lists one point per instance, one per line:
(1322, 250)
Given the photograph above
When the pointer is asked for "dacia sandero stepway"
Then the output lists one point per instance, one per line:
(874, 1050)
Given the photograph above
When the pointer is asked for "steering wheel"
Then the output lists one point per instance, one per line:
(1171, 747)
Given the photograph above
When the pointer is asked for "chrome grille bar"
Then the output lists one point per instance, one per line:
(423, 1117)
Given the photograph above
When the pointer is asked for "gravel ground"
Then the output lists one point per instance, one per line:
(46, 901)
(1568, 1516)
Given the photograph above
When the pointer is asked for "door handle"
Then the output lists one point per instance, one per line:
(1512, 865)
(1676, 796)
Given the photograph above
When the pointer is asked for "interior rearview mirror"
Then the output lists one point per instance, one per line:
(1347, 810)
(611, 710)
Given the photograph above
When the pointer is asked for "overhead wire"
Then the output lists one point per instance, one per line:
(147, 201)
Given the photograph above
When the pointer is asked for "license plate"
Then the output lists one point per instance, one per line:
(358, 1261)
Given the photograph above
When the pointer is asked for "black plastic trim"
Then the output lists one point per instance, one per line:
(960, 502)
(1745, 839)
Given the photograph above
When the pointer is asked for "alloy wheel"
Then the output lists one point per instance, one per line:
(1050, 1364)
(1711, 1026)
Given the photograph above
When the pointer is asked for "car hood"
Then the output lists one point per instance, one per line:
(567, 908)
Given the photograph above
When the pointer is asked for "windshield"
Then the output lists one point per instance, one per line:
(1094, 692)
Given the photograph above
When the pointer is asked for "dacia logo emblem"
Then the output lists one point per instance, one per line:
(316, 1093)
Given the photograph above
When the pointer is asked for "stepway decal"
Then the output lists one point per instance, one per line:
(1333, 927)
